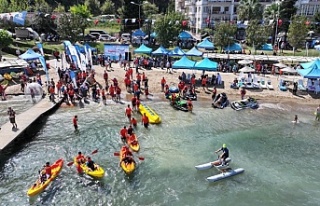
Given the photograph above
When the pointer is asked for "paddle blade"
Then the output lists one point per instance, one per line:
(69, 164)
(94, 152)
(141, 158)
(116, 154)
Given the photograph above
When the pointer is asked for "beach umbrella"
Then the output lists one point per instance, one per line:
(280, 65)
(245, 61)
(246, 69)
(289, 70)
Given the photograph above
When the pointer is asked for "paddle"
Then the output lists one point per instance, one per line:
(93, 152)
(117, 154)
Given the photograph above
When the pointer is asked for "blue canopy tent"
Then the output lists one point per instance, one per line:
(184, 35)
(311, 69)
(143, 49)
(233, 47)
(90, 47)
(30, 55)
(79, 48)
(176, 52)
(139, 33)
(206, 65)
(183, 63)
(160, 51)
(267, 47)
(194, 52)
(153, 35)
(206, 44)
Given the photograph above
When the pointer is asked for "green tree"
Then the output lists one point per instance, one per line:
(224, 34)
(288, 10)
(82, 14)
(316, 19)
(108, 7)
(171, 6)
(93, 6)
(68, 27)
(271, 14)
(250, 10)
(5, 40)
(149, 10)
(297, 32)
(168, 27)
(256, 34)
(4, 6)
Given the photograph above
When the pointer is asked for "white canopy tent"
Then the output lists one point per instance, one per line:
(246, 69)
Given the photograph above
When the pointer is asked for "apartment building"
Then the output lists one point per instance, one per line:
(202, 12)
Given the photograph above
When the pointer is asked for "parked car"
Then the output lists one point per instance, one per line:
(107, 37)
(97, 31)
(125, 36)
(95, 34)
(87, 37)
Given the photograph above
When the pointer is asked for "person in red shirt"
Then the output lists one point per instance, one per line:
(190, 105)
(111, 91)
(47, 168)
(145, 120)
(75, 122)
(137, 104)
(118, 94)
(134, 102)
(103, 95)
(127, 83)
(123, 133)
(128, 112)
(71, 95)
(80, 158)
(133, 122)
(193, 82)
(59, 85)
(51, 91)
(204, 83)
(163, 82)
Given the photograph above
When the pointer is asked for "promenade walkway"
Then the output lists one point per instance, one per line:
(24, 120)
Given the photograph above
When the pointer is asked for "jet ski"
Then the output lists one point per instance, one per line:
(180, 105)
(244, 104)
(191, 96)
(220, 101)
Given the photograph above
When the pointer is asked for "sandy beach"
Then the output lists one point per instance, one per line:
(155, 75)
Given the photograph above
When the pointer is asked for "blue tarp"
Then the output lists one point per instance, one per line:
(90, 47)
(194, 52)
(233, 47)
(183, 63)
(206, 44)
(29, 55)
(176, 52)
(160, 51)
(206, 64)
(184, 35)
(143, 49)
(138, 33)
(311, 69)
(267, 47)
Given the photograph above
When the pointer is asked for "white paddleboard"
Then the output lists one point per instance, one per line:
(224, 175)
(208, 165)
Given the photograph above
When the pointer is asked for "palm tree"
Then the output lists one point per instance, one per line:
(271, 14)
(250, 10)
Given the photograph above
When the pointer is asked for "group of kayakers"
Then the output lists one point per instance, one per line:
(128, 136)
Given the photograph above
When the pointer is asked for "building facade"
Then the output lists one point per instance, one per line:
(202, 13)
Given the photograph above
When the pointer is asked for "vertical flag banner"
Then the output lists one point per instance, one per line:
(40, 47)
(44, 65)
(73, 78)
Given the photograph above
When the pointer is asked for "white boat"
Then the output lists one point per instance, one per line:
(228, 173)
(263, 84)
(209, 165)
(269, 85)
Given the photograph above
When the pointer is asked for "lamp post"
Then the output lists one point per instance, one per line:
(139, 5)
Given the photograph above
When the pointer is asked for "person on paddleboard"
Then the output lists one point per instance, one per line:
(224, 155)
(295, 119)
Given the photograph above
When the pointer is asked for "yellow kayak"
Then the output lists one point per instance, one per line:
(129, 167)
(154, 118)
(7, 76)
(98, 173)
(38, 187)
(134, 145)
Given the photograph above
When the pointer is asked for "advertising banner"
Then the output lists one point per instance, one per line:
(115, 51)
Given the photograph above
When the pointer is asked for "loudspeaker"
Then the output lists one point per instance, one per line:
(127, 56)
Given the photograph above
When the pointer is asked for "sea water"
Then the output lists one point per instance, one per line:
(281, 159)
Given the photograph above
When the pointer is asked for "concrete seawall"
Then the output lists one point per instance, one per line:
(25, 120)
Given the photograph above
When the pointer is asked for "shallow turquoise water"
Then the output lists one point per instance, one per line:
(280, 159)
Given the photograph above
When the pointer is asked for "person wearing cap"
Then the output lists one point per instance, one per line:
(224, 155)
